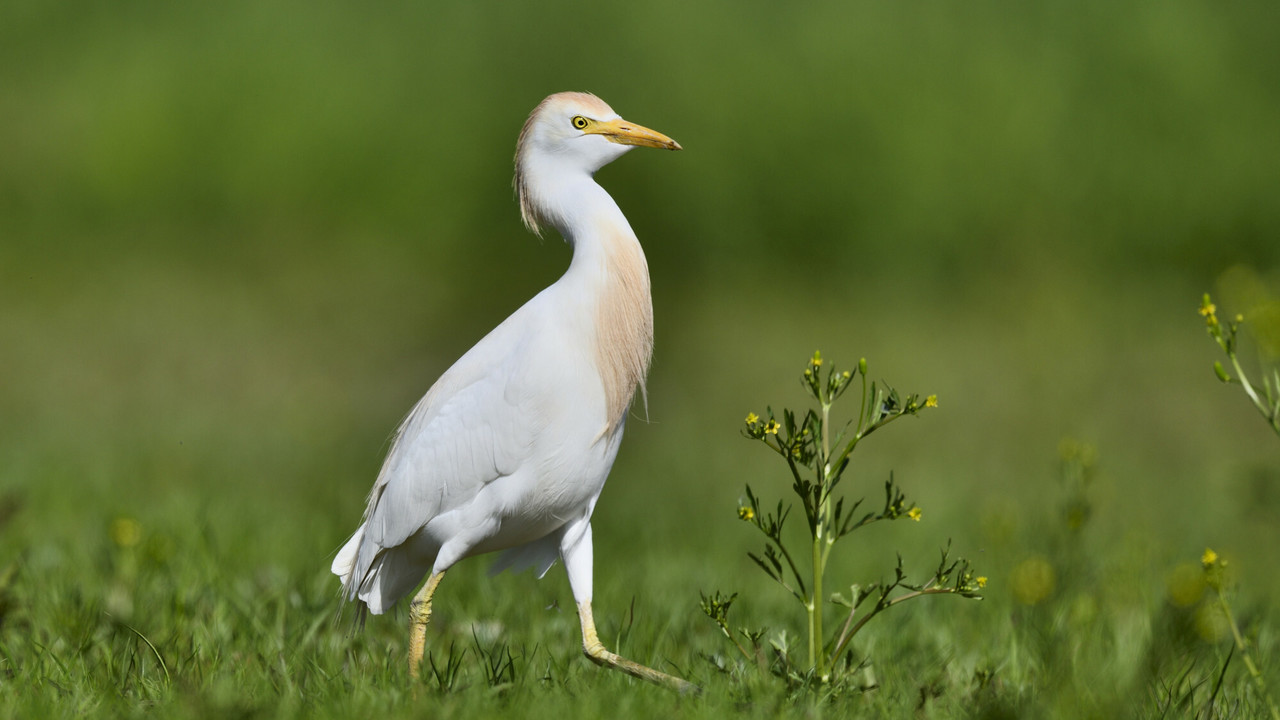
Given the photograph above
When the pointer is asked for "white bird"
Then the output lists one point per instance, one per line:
(510, 448)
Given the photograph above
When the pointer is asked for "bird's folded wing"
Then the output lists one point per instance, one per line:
(446, 450)
(476, 424)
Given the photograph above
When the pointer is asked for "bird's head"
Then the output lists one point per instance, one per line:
(572, 134)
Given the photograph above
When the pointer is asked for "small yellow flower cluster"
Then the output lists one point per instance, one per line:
(931, 401)
(1209, 558)
(746, 512)
(1215, 569)
(915, 513)
(968, 583)
(815, 363)
(1209, 312)
(757, 431)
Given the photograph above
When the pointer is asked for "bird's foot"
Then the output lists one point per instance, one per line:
(602, 657)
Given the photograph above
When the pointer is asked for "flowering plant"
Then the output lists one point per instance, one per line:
(817, 458)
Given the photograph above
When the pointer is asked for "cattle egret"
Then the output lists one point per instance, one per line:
(510, 448)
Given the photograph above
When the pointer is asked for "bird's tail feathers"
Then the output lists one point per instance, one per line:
(345, 561)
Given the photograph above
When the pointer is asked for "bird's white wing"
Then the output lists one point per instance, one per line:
(475, 425)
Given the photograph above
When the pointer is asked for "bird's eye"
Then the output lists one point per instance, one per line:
(580, 122)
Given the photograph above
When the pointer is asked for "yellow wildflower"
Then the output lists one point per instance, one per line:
(746, 512)
(914, 513)
(1210, 313)
(125, 532)
(982, 581)
(752, 418)
(1209, 558)
(931, 401)
(772, 427)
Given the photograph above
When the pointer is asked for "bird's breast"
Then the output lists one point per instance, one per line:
(623, 320)
(571, 399)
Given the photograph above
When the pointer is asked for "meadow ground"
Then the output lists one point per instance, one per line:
(179, 563)
(237, 246)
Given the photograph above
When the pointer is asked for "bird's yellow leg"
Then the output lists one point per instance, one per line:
(596, 650)
(419, 616)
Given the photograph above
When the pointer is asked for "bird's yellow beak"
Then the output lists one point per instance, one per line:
(628, 133)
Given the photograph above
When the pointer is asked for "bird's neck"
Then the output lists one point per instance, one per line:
(610, 275)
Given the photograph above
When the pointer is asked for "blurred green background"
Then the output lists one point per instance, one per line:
(239, 240)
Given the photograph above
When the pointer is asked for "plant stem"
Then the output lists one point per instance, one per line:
(820, 543)
(814, 607)
(850, 628)
(1248, 659)
(1273, 418)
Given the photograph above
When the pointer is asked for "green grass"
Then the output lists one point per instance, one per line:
(236, 246)
(245, 488)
